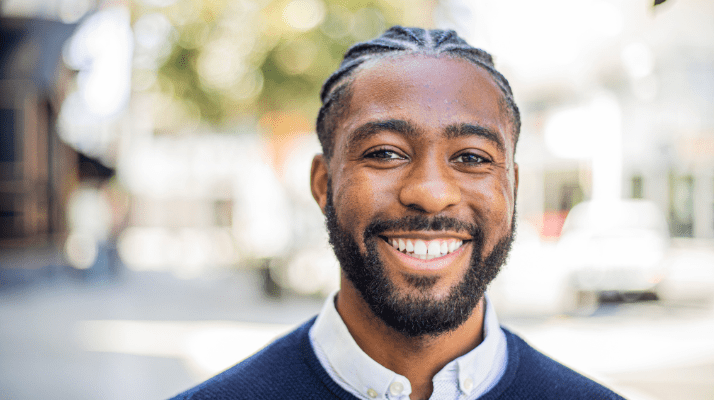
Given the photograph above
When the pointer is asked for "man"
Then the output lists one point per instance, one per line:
(417, 182)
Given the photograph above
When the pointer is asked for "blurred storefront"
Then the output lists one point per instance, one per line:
(57, 204)
(37, 170)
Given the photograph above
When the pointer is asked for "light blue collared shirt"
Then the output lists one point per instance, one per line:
(465, 378)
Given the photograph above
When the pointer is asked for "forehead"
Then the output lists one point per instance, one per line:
(429, 91)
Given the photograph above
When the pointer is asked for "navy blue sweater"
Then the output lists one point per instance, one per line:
(289, 369)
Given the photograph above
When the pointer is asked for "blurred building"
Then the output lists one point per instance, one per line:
(616, 99)
(37, 170)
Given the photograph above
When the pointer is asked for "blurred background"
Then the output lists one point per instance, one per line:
(156, 223)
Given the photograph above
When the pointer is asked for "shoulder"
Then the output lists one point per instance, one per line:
(531, 374)
(280, 370)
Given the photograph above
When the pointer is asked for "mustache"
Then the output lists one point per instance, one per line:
(421, 223)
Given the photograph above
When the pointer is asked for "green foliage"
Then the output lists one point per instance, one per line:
(242, 59)
(180, 68)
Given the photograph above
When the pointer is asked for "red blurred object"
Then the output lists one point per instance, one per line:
(552, 224)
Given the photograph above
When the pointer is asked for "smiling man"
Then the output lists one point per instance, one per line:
(418, 185)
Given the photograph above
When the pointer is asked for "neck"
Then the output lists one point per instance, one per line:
(416, 358)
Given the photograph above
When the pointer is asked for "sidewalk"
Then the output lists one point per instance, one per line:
(46, 352)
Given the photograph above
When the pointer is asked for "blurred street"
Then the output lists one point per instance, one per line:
(149, 335)
(49, 333)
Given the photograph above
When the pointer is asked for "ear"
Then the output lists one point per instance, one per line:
(318, 180)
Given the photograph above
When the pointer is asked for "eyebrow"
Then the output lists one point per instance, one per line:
(406, 128)
(373, 127)
(454, 131)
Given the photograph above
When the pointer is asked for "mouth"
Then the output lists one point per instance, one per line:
(424, 249)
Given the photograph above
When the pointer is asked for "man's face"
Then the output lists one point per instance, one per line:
(419, 193)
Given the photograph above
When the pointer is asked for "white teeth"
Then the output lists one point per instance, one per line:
(420, 247)
(434, 248)
(426, 250)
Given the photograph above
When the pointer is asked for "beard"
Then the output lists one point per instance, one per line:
(410, 315)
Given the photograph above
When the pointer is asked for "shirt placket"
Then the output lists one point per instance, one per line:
(398, 389)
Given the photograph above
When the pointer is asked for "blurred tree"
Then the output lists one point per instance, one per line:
(226, 62)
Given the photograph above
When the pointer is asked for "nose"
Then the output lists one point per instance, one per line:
(429, 188)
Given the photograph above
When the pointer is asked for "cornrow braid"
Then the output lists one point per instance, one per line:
(397, 40)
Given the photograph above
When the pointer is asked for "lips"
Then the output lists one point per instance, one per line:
(424, 249)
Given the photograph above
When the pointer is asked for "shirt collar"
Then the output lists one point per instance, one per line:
(474, 367)
(347, 359)
(366, 376)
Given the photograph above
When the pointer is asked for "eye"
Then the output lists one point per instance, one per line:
(471, 158)
(384, 154)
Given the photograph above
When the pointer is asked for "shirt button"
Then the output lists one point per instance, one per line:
(396, 388)
(372, 393)
(468, 385)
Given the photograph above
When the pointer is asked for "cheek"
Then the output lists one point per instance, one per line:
(493, 201)
(361, 197)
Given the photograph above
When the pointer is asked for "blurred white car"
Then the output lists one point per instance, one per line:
(614, 247)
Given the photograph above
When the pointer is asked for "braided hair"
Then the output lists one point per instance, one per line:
(397, 40)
